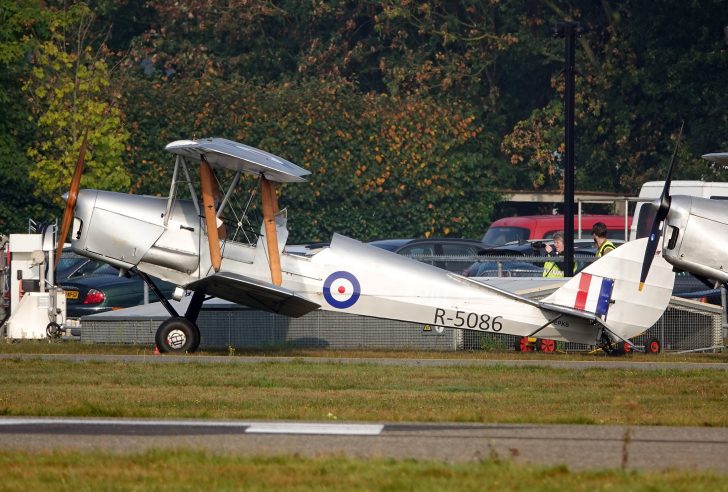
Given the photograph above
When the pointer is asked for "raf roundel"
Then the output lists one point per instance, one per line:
(341, 289)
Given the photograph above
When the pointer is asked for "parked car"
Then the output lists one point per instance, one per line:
(688, 286)
(105, 290)
(389, 244)
(584, 252)
(534, 227)
(491, 268)
(76, 267)
(455, 253)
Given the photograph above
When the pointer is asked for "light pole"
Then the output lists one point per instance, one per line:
(569, 30)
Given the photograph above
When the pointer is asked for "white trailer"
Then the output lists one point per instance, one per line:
(37, 306)
(650, 191)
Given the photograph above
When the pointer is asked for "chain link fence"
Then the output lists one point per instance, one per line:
(686, 325)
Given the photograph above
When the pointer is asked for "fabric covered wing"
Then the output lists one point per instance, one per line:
(253, 293)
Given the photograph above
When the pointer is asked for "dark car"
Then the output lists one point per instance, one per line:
(72, 266)
(389, 244)
(491, 268)
(452, 254)
(105, 290)
(497, 262)
(688, 286)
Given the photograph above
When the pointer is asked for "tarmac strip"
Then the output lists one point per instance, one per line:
(576, 446)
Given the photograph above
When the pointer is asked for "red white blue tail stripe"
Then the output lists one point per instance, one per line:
(594, 294)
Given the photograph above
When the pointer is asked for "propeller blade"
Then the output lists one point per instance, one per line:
(665, 197)
(71, 200)
(208, 202)
(663, 208)
(650, 252)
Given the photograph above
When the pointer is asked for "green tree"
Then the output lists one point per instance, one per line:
(643, 69)
(381, 165)
(69, 91)
(21, 22)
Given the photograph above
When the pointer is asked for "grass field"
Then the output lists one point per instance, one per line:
(75, 347)
(365, 392)
(188, 470)
(301, 390)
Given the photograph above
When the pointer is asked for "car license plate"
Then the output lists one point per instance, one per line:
(71, 294)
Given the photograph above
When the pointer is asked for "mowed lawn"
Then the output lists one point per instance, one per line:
(364, 391)
(178, 470)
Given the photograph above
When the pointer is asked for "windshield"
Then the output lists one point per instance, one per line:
(498, 236)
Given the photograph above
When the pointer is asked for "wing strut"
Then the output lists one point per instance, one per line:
(270, 209)
(208, 201)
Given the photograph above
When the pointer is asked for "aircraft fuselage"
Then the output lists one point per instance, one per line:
(695, 236)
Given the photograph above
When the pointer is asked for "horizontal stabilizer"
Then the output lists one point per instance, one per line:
(253, 293)
(222, 153)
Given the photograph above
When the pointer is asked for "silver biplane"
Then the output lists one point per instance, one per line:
(694, 232)
(187, 242)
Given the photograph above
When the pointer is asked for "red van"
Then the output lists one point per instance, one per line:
(519, 229)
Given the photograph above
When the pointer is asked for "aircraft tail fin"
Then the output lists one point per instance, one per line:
(609, 290)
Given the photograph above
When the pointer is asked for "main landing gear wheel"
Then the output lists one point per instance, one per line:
(653, 346)
(177, 335)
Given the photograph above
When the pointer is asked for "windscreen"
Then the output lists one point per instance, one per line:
(498, 236)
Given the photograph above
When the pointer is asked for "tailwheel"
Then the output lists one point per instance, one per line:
(546, 345)
(524, 344)
(623, 348)
(177, 335)
(607, 345)
(653, 346)
(616, 348)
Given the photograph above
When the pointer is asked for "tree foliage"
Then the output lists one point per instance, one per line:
(68, 91)
(22, 22)
(643, 69)
(408, 113)
(381, 165)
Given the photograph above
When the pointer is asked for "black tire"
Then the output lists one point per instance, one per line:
(653, 346)
(623, 348)
(177, 335)
(53, 330)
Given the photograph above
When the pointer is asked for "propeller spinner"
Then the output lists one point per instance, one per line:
(660, 216)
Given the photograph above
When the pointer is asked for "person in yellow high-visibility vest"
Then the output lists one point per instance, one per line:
(551, 268)
(604, 245)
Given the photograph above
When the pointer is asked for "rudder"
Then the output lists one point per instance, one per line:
(609, 290)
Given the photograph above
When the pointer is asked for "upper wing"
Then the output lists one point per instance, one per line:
(718, 157)
(254, 293)
(219, 152)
